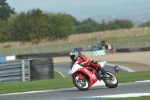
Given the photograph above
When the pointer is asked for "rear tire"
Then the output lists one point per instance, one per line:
(110, 80)
(82, 85)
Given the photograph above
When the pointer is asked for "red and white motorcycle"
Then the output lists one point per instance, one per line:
(86, 77)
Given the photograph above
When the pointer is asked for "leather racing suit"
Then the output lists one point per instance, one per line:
(85, 62)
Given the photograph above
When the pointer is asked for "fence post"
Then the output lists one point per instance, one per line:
(23, 72)
(0, 78)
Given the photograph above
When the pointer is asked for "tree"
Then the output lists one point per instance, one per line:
(3, 31)
(62, 25)
(75, 22)
(38, 25)
(145, 24)
(19, 31)
(5, 10)
(102, 25)
(86, 26)
(119, 24)
(92, 23)
(32, 26)
(35, 26)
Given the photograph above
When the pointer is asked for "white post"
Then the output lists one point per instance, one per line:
(23, 72)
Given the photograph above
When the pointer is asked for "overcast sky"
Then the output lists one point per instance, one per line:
(58, 5)
(82, 9)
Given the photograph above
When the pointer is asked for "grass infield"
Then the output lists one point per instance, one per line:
(130, 98)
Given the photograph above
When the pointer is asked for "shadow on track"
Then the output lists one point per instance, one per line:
(90, 89)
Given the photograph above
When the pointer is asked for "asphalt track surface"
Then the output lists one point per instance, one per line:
(75, 94)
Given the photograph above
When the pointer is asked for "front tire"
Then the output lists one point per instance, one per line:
(82, 85)
(110, 80)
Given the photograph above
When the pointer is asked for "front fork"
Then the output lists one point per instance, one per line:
(100, 73)
(103, 71)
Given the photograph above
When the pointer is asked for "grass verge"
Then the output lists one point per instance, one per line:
(130, 98)
(60, 82)
(133, 76)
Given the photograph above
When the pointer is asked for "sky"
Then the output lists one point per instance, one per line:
(80, 9)
(58, 5)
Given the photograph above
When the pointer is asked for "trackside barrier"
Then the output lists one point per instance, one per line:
(15, 71)
(93, 53)
(7, 58)
(42, 68)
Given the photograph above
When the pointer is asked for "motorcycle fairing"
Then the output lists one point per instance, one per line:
(76, 69)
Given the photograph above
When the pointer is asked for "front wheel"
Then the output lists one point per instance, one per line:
(82, 85)
(110, 80)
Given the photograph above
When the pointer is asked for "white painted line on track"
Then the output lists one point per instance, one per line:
(37, 91)
(111, 96)
(60, 73)
(123, 95)
(26, 92)
(143, 81)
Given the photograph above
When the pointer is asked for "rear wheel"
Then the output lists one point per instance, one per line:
(110, 80)
(82, 85)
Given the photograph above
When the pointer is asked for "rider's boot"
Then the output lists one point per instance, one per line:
(99, 70)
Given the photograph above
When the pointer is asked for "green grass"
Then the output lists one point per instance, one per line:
(133, 76)
(60, 82)
(130, 98)
(35, 85)
(121, 62)
(57, 82)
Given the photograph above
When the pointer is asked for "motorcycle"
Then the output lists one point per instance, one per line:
(86, 77)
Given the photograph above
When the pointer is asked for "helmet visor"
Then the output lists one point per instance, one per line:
(72, 57)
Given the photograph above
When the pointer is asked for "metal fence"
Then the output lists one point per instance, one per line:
(121, 38)
(131, 43)
(15, 71)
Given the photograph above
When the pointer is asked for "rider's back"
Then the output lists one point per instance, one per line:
(82, 59)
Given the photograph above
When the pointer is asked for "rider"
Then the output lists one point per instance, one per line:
(84, 61)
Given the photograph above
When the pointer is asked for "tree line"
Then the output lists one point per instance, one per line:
(36, 25)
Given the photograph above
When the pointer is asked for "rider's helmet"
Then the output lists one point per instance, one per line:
(74, 55)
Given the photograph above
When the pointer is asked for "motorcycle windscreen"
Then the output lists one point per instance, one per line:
(74, 68)
(102, 63)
